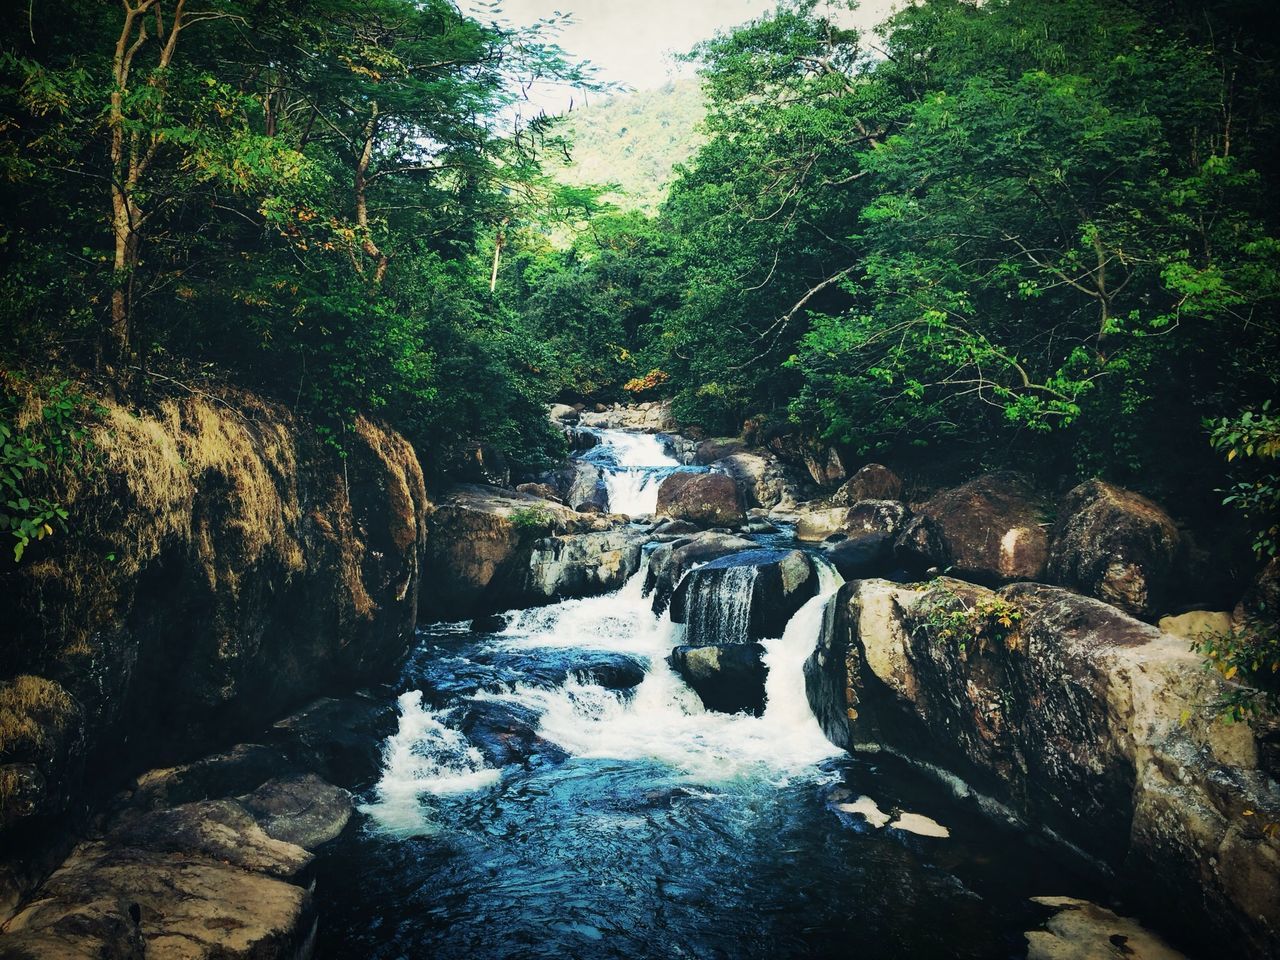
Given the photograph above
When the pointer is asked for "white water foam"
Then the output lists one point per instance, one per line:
(424, 756)
(664, 720)
(641, 462)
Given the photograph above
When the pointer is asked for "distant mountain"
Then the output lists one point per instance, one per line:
(634, 140)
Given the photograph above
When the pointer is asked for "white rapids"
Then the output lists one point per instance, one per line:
(661, 720)
(634, 465)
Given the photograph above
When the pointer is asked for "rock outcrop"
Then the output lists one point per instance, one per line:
(493, 549)
(223, 565)
(1115, 545)
(649, 417)
(1087, 723)
(992, 529)
(707, 499)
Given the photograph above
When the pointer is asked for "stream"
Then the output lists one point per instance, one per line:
(538, 801)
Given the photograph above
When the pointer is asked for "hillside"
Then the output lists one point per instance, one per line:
(634, 140)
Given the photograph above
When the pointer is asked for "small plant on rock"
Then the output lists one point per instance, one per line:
(981, 622)
(532, 519)
(1248, 657)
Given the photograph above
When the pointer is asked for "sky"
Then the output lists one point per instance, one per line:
(631, 41)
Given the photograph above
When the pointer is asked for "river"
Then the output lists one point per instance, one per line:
(537, 802)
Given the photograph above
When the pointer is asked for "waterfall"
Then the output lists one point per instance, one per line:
(718, 607)
(634, 466)
(787, 708)
(424, 756)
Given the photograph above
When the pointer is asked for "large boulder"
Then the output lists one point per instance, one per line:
(707, 499)
(670, 561)
(862, 555)
(743, 597)
(728, 678)
(763, 480)
(712, 449)
(874, 481)
(920, 548)
(1115, 545)
(563, 415)
(992, 528)
(494, 549)
(819, 522)
(578, 484)
(1079, 719)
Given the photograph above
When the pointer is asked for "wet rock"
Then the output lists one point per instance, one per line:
(304, 810)
(992, 528)
(614, 671)
(338, 738)
(1081, 930)
(872, 482)
(227, 773)
(669, 528)
(743, 597)
(707, 499)
(490, 623)
(862, 555)
(727, 678)
(1115, 545)
(669, 562)
(506, 733)
(1085, 721)
(816, 523)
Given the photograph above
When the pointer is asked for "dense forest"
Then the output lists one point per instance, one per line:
(1010, 232)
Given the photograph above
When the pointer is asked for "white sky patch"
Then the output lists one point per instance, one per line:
(633, 42)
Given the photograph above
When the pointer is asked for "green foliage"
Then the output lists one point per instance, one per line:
(1254, 437)
(315, 184)
(634, 142)
(975, 624)
(532, 520)
(1248, 658)
(38, 437)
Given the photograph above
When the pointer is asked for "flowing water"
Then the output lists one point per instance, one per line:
(634, 466)
(528, 807)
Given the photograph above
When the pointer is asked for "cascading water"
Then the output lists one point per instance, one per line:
(719, 606)
(528, 809)
(634, 466)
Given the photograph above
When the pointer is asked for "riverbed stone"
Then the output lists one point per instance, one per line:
(728, 678)
(1115, 545)
(820, 521)
(707, 499)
